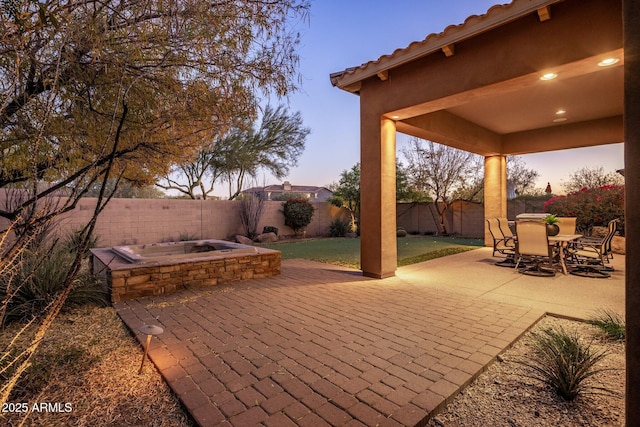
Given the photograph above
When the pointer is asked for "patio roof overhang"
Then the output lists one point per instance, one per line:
(477, 86)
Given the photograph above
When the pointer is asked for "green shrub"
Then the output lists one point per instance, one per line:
(401, 232)
(270, 229)
(562, 361)
(591, 206)
(297, 213)
(41, 274)
(609, 322)
(74, 238)
(288, 195)
(339, 228)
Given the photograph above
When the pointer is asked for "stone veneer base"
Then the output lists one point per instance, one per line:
(127, 281)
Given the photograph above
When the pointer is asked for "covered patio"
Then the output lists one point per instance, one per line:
(530, 76)
(526, 77)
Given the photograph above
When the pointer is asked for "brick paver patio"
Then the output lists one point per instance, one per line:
(320, 345)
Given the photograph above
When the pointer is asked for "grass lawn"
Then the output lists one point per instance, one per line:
(346, 252)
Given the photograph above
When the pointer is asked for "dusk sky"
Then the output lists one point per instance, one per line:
(346, 33)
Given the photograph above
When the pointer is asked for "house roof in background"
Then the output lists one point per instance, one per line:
(280, 187)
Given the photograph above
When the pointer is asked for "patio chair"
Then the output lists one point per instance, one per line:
(612, 229)
(502, 244)
(567, 225)
(590, 256)
(503, 223)
(533, 244)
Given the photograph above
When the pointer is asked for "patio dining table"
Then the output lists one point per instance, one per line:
(563, 240)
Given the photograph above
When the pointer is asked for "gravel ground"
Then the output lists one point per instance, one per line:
(88, 363)
(504, 395)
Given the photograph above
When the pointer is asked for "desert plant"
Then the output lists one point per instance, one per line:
(40, 277)
(401, 232)
(565, 363)
(297, 213)
(339, 228)
(609, 322)
(250, 213)
(186, 236)
(75, 238)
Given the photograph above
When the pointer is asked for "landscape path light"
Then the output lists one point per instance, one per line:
(149, 331)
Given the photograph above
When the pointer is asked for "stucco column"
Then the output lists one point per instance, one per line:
(378, 246)
(495, 191)
(631, 14)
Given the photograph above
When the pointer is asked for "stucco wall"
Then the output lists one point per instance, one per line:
(136, 221)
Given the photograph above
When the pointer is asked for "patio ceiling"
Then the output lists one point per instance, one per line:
(487, 72)
(584, 93)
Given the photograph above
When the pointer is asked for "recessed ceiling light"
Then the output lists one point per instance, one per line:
(560, 119)
(395, 117)
(560, 112)
(608, 61)
(548, 76)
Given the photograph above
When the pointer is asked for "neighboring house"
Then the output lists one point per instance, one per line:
(276, 192)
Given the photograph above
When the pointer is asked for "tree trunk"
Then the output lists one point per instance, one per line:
(442, 225)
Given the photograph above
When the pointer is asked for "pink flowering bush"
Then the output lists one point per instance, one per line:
(592, 206)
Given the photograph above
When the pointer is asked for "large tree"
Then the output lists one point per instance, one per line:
(346, 192)
(176, 73)
(197, 176)
(94, 89)
(520, 177)
(588, 177)
(405, 191)
(439, 170)
(124, 189)
(273, 146)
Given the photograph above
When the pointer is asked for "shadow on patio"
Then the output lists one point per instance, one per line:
(321, 345)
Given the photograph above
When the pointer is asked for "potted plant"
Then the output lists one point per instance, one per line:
(552, 224)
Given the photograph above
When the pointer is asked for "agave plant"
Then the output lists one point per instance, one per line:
(609, 322)
(565, 363)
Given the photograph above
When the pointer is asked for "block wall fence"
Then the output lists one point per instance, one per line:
(462, 218)
(138, 221)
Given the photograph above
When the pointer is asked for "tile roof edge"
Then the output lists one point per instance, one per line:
(497, 15)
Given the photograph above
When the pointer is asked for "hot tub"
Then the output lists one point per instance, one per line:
(137, 271)
(158, 252)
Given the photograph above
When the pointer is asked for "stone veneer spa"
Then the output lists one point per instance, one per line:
(145, 270)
